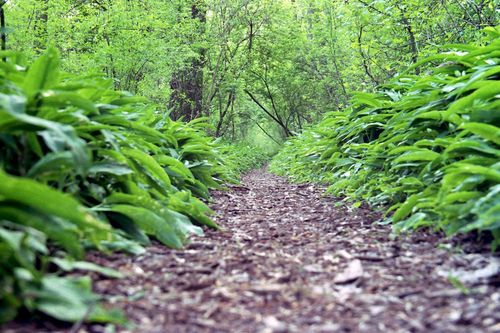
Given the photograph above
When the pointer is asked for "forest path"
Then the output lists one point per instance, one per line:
(291, 260)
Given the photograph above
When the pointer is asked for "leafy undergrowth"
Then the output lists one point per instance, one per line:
(241, 157)
(427, 145)
(85, 167)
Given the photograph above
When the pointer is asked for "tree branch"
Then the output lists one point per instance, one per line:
(266, 111)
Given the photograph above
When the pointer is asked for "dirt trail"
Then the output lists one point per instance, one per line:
(291, 260)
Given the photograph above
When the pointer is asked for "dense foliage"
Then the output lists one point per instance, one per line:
(242, 157)
(86, 167)
(297, 58)
(428, 145)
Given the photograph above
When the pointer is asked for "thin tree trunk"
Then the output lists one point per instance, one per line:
(265, 132)
(363, 58)
(40, 26)
(223, 113)
(334, 57)
(411, 39)
(2, 26)
(287, 131)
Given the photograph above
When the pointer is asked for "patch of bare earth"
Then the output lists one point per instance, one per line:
(292, 260)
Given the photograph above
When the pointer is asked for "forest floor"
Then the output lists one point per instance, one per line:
(292, 260)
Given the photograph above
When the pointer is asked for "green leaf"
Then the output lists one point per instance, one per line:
(43, 73)
(152, 167)
(71, 300)
(49, 201)
(62, 100)
(180, 222)
(179, 167)
(486, 131)
(150, 222)
(110, 168)
(472, 146)
(63, 233)
(466, 168)
(461, 196)
(486, 90)
(406, 208)
(70, 265)
(52, 163)
(58, 137)
(420, 155)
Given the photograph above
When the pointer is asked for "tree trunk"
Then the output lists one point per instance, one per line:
(2, 25)
(186, 101)
(40, 27)
(223, 112)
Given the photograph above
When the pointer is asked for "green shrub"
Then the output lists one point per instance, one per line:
(83, 166)
(426, 145)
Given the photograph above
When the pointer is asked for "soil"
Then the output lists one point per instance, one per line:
(290, 259)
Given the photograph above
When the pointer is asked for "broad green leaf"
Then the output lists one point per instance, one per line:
(181, 223)
(420, 155)
(49, 201)
(71, 299)
(488, 173)
(486, 131)
(43, 73)
(110, 168)
(52, 163)
(461, 196)
(406, 208)
(149, 163)
(150, 222)
(63, 233)
(70, 265)
(58, 137)
(63, 100)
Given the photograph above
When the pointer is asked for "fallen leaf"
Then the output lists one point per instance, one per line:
(353, 272)
(314, 268)
(476, 276)
(274, 325)
(267, 288)
(344, 254)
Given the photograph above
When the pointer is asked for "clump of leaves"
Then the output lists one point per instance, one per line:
(84, 166)
(427, 145)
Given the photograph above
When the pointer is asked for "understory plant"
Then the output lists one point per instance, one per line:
(242, 157)
(426, 145)
(83, 166)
